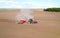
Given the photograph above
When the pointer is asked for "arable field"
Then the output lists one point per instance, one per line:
(48, 25)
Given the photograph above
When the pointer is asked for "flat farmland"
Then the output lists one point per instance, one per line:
(48, 25)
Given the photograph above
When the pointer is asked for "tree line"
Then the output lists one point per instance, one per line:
(52, 9)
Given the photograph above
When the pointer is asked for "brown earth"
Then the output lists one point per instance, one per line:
(48, 25)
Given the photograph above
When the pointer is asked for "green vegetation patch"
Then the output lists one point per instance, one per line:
(52, 9)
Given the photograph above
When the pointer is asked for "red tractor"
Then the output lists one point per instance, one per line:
(31, 21)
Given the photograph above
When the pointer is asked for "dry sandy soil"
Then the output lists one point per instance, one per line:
(48, 25)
